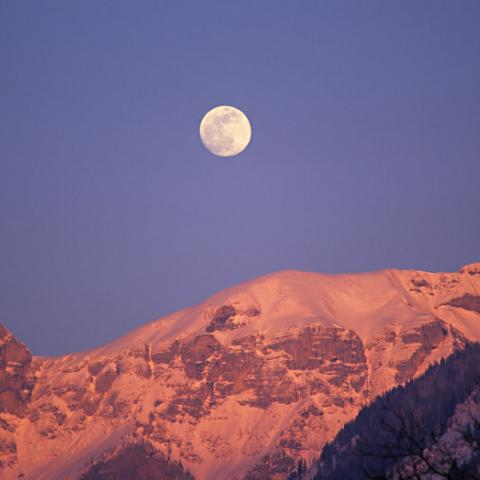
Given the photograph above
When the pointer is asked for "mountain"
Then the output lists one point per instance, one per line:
(432, 422)
(245, 385)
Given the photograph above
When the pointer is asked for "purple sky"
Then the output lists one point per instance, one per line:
(365, 151)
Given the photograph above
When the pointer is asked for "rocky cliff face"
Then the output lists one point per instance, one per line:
(16, 384)
(242, 386)
(16, 379)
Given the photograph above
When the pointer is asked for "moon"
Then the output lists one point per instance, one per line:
(225, 131)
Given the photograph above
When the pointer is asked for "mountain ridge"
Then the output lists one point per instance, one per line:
(279, 363)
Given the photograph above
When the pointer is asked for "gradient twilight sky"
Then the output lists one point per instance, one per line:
(365, 151)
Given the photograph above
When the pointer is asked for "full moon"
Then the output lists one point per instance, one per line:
(225, 131)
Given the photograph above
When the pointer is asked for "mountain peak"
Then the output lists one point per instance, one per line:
(249, 382)
(16, 381)
(471, 269)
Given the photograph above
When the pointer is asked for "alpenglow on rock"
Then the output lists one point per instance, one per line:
(244, 385)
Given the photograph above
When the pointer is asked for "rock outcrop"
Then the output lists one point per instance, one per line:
(136, 461)
(16, 379)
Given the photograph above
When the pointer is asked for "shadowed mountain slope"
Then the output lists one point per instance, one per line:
(439, 412)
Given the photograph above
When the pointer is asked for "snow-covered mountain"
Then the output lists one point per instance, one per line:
(243, 385)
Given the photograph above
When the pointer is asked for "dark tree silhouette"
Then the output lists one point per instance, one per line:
(419, 453)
